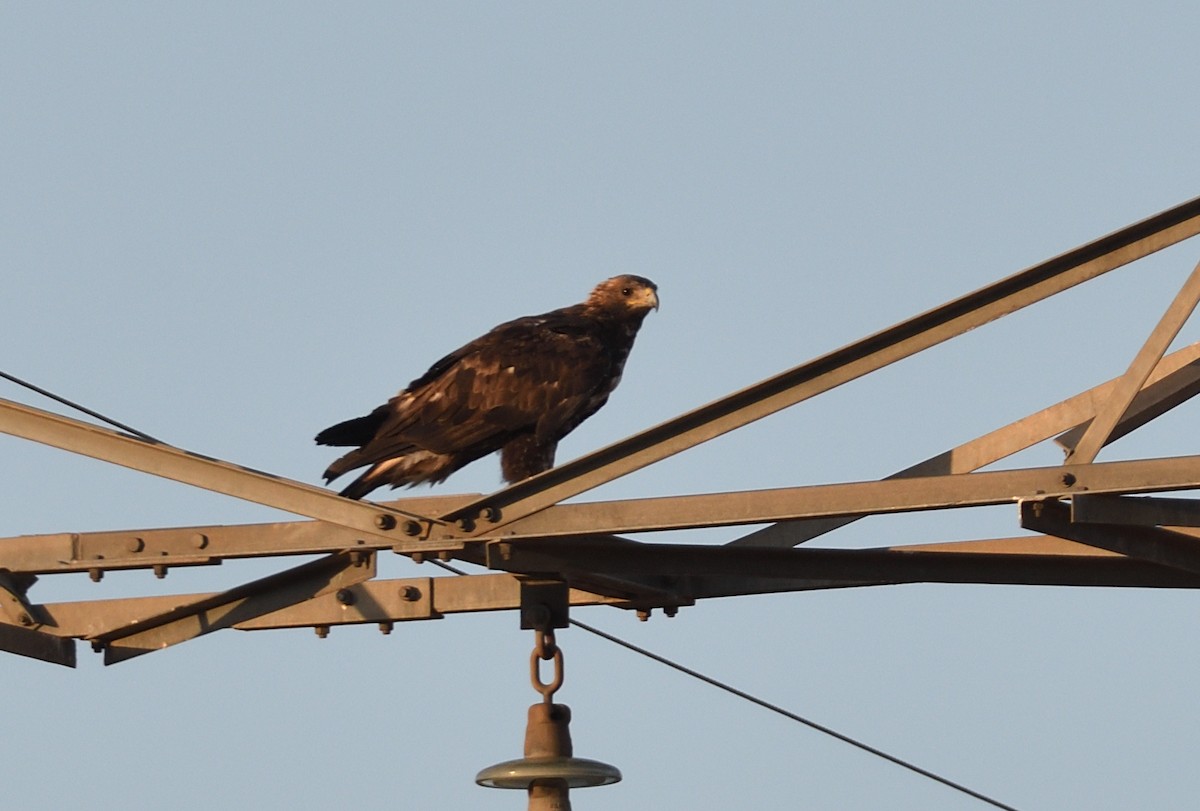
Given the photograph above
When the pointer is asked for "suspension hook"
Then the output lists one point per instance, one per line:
(545, 649)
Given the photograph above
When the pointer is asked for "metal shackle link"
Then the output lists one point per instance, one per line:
(545, 649)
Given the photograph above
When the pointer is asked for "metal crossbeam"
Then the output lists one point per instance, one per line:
(1135, 511)
(836, 500)
(370, 601)
(929, 564)
(200, 545)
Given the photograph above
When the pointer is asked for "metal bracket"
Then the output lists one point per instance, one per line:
(544, 603)
(56, 650)
(13, 603)
(1164, 547)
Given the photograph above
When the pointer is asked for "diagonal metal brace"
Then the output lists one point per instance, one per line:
(211, 474)
(239, 604)
(1110, 413)
(1175, 380)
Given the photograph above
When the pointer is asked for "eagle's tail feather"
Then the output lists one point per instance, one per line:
(415, 467)
(360, 487)
(358, 431)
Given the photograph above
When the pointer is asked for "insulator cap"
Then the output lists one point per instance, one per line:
(577, 772)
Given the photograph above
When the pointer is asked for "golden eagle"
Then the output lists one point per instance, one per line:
(519, 389)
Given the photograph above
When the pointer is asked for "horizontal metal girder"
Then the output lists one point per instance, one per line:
(384, 601)
(706, 586)
(211, 474)
(830, 500)
(1022, 563)
(840, 366)
(198, 545)
(1147, 511)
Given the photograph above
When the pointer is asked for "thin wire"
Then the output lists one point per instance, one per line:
(78, 407)
(773, 707)
(799, 719)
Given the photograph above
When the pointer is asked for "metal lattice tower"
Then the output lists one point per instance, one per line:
(1096, 526)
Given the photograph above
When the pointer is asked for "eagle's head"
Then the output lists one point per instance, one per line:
(628, 296)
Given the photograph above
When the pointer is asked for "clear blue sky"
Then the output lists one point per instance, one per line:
(231, 224)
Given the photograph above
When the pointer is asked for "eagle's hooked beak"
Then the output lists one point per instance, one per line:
(651, 298)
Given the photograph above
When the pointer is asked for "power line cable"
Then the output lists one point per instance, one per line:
(791, 715)
(773, 708)
(78, 407)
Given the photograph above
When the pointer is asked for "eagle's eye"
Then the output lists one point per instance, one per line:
(627, 291)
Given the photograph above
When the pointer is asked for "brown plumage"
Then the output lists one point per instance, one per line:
(518, 389)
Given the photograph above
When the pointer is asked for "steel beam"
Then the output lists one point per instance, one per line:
(1175, 380)
(388, 601)
(840, 366)
(849, 566)
(1147, 358)
(1163, 547)
(382, 601)
(37, 645)
(211, 474)
(190, 546)
(1135, 511)
(1042, 546)
(834, 500)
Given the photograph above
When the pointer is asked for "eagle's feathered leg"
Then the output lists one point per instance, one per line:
(525, 456)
